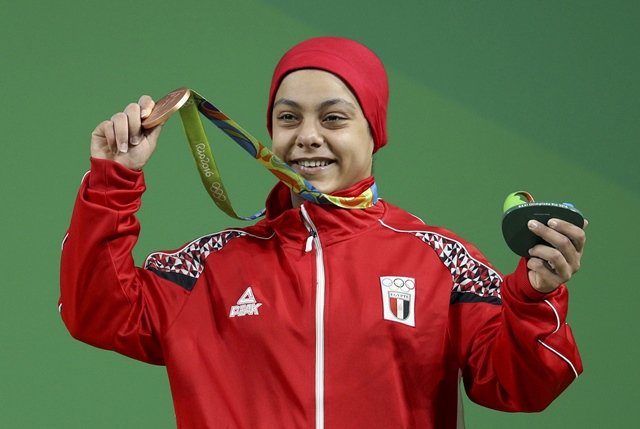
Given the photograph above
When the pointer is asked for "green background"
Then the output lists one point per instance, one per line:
(487, 98)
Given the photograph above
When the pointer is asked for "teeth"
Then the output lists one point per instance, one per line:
(313, 163)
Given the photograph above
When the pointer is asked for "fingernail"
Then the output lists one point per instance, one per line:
(145, 113)
(134, 140)
(552, 223)
(124, 147)
(532, 224)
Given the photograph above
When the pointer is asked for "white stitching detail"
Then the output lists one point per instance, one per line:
(562, 356)
(63, 241)
(557, 316)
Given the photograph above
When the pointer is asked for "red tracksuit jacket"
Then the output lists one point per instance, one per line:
(314, 317)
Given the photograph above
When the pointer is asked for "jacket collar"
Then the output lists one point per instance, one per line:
(333, 223)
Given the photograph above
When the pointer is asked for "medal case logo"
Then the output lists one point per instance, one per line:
(399, 299)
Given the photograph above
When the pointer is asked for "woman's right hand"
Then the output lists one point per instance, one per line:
(122, 138)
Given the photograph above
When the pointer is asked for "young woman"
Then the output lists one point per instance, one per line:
(317, 316)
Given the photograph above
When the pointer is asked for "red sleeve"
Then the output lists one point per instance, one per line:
(105, 300)
(518, 356)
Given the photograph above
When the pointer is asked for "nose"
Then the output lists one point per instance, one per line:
(309, 135)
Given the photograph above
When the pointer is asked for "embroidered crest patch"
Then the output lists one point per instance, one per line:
(399, 299)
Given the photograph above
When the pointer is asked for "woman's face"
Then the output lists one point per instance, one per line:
(320, 131)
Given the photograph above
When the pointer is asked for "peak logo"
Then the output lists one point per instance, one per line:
(246, 305)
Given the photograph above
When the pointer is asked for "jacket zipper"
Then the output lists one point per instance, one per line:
(312, 240)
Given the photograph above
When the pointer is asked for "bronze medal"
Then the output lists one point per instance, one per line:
(166, 106)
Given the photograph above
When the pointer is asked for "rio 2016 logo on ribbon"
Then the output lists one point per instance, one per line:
(399, 299)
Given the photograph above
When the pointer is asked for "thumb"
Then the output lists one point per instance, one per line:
(154, 133)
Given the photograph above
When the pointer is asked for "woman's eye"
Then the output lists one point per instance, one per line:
(287, 117)
(333, 118)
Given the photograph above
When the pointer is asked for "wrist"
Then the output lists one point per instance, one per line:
(110, 174)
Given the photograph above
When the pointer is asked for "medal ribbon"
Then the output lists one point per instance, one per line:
(210, 175)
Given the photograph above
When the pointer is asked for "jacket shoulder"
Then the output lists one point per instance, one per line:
(397, 218)
(185, 265)
(474, 278)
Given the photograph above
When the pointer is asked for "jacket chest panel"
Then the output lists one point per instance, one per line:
(396, 303)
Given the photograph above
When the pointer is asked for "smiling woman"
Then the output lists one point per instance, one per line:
(319, 315)
(319, 129)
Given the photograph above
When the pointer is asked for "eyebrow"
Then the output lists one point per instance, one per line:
(321, 106)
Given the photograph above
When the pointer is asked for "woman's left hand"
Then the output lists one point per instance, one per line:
(550, 266)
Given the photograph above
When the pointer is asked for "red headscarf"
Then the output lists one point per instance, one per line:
(355, 64)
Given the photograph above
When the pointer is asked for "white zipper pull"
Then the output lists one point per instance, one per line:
(309, 244)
